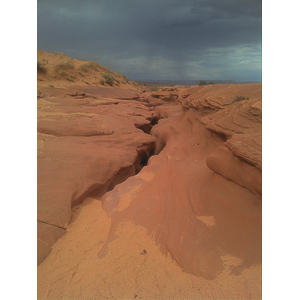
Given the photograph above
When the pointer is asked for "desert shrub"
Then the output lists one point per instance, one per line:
(125, 79)
(202, 82)
(91, 65)
(63, 73)
(81, 74)
(102, 81)
(108, 79)
(94, 65)
(41, 68)
(64, 66)
(84, 68)
(51, 85)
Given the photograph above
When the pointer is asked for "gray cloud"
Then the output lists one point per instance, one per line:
(185, 37)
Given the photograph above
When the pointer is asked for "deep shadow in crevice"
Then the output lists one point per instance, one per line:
(146, 127)
(154, 120)
(143, 154)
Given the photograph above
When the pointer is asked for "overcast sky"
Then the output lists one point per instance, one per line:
(149, 39)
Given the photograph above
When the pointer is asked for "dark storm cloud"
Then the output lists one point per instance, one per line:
(151, 35)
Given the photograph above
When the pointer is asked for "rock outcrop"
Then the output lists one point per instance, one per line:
(234, 113)
(86, 145)
(183, 165)
(196, 198)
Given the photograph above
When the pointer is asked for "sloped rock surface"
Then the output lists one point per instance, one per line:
(234, 113)
(85, 147)
(198, 199)
(211, 98)
(195, 215)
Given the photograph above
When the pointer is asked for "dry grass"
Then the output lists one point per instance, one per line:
(84, 67)
(64, 66)
(109, 79)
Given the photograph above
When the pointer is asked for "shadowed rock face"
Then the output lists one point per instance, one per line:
(199, 198)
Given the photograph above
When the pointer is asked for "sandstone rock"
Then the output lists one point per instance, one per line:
(225, 163)
(84, 148)
(211, 98)
(199, 198)
(195, 215)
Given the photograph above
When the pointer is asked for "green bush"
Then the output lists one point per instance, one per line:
(202, 82)
(84, 67)
(108, 79)
(94, 65)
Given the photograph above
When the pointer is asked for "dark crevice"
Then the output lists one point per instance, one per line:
(143, 154)
(146, 127)
(52, 225)
(154, 120)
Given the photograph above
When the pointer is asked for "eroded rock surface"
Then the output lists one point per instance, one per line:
(86, 146)
(234, 113)
(209, 169)
(195, 214)
(198, 198)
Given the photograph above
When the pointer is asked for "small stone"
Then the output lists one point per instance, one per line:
(135, 295)
(143, 252)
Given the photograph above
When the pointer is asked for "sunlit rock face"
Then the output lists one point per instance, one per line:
(200, 198)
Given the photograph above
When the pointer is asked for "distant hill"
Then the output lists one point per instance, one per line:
(189, 82)
(59, 70)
